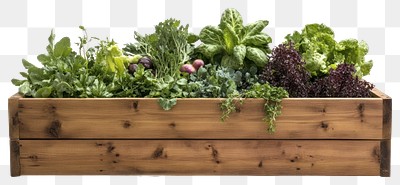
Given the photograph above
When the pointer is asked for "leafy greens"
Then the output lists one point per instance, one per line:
(233, 44)
(321, 52)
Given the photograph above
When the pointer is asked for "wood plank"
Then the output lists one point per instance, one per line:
(385, 157)
(15, 166)
(302, 118)
(13, 116)
(200, 157)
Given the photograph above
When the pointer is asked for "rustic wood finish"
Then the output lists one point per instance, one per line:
(13, 116)
(200, 157)
(134, 136)
(199, 119)
(385, 157)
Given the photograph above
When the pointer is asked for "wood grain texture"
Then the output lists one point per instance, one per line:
(13, 116)
(387, 113)
(15, 166)
(302, 118)
(385, 157)
(200, 157)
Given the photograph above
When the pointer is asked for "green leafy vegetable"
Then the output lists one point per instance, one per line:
(232, 42)
(167, 103)
(169, 47)
(321, 52)
(273, 97)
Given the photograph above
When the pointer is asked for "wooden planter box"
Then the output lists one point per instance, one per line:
(134, 136)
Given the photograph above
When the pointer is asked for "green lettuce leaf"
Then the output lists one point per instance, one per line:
(257, 56)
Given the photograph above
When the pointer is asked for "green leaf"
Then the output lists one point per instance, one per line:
(25, 88)
(257, 56)
(50, 48)
(24, 74)
(167, 103)
(366, 68)
(63, 87)
(62, 48)
(239, 52)
(43, 92)
(212, 35)
(182, 82)
(255, 28)
(257, 40)
(210, 50)
(192, 38)
(27, 64)
(231, 39)
(120, 65)
(232, 18)
(231, 62)
(44, 59)
(17, 82)
(311, 30)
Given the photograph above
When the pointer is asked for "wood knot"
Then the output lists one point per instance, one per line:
(260, 164)
(361, 108)
(324, 125)
(110, 148)
(172, 125)
(99, 144)
(214, 154)
(127, 124)
(135, 105)
(158, 152)
(33, 157)
(51, 109)
(323, 110)
(296, 158)
(55, 128)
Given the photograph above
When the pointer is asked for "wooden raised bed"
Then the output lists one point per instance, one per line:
(134, 136)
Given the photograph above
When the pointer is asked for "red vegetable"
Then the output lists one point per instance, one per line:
(198, 63)
(188, 68)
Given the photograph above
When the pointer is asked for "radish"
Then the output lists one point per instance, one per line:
(188, 68)
(132, 68)
(198, 63)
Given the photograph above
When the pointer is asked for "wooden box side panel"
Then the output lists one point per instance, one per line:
(200, 157)
(302, 118)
